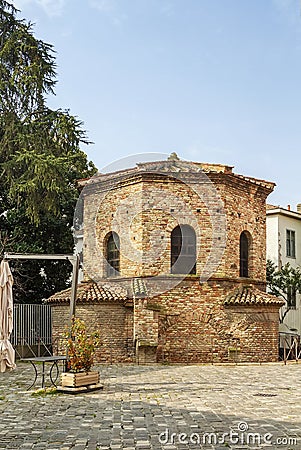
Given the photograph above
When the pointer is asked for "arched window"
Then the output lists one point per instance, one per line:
(244, 255)
(112, 254)
(183, 250)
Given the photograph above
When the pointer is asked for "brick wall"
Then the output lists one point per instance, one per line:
(195, 326)
(143, 255)
(188, 322)
(114, 322)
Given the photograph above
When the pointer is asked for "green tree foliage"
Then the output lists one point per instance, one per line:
(81, 346)
(284, 283)
(40, 160)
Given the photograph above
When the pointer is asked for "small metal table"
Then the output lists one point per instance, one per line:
(45, 359)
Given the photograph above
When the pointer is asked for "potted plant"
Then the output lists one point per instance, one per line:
(81, 347)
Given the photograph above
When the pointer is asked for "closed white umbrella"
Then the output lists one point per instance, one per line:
(7, 353)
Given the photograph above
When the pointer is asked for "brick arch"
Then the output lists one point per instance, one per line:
(172, 224)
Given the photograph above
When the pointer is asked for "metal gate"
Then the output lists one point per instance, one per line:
(31, 334)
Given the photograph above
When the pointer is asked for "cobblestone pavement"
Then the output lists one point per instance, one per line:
(158, 407)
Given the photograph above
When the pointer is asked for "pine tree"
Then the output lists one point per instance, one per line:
(40, 159)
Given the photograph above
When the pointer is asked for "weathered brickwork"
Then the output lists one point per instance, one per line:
(195, 325)
(133, 202)
(114, 323)
(245, 205)
(189, 321)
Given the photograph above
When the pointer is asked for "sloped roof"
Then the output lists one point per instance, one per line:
(175, 166)
(91, 292)
(280, 210)
(269, 206)
(248, 296)
(139, 287)
(267, 184)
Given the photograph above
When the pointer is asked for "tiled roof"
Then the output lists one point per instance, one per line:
(139, 287)
(248, 295)
(268, 206)
(271, 209)
(91, 292)
(267, 184)
(174, 166)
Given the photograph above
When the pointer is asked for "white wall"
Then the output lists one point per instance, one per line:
(272, 238)
(277, 224)
(290, 223)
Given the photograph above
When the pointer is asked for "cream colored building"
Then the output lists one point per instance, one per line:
(284, 246)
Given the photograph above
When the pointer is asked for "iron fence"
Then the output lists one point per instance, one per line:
(32, 329)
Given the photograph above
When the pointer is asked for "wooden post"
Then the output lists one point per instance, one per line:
(74, 259)
(75, 264)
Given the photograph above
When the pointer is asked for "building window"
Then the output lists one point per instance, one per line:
(244, 255)
(290, 244)
(113, 254)
(183, 250)
(291, 297)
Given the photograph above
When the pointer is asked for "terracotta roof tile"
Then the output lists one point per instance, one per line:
(90, 292)
(139, 287)
(248, 295)
(267, 184)
(174, 166)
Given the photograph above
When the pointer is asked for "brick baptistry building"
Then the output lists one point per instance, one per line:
(174, 257)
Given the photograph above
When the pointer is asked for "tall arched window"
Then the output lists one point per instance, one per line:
(112, 254)
(183, 250)
(244, 255)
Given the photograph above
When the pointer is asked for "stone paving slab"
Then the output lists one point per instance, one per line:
(158, 407)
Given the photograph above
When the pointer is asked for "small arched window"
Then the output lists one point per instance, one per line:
(244, 255)
(112, 254)
(183, 250)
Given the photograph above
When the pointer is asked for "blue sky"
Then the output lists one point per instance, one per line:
(213, 80)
